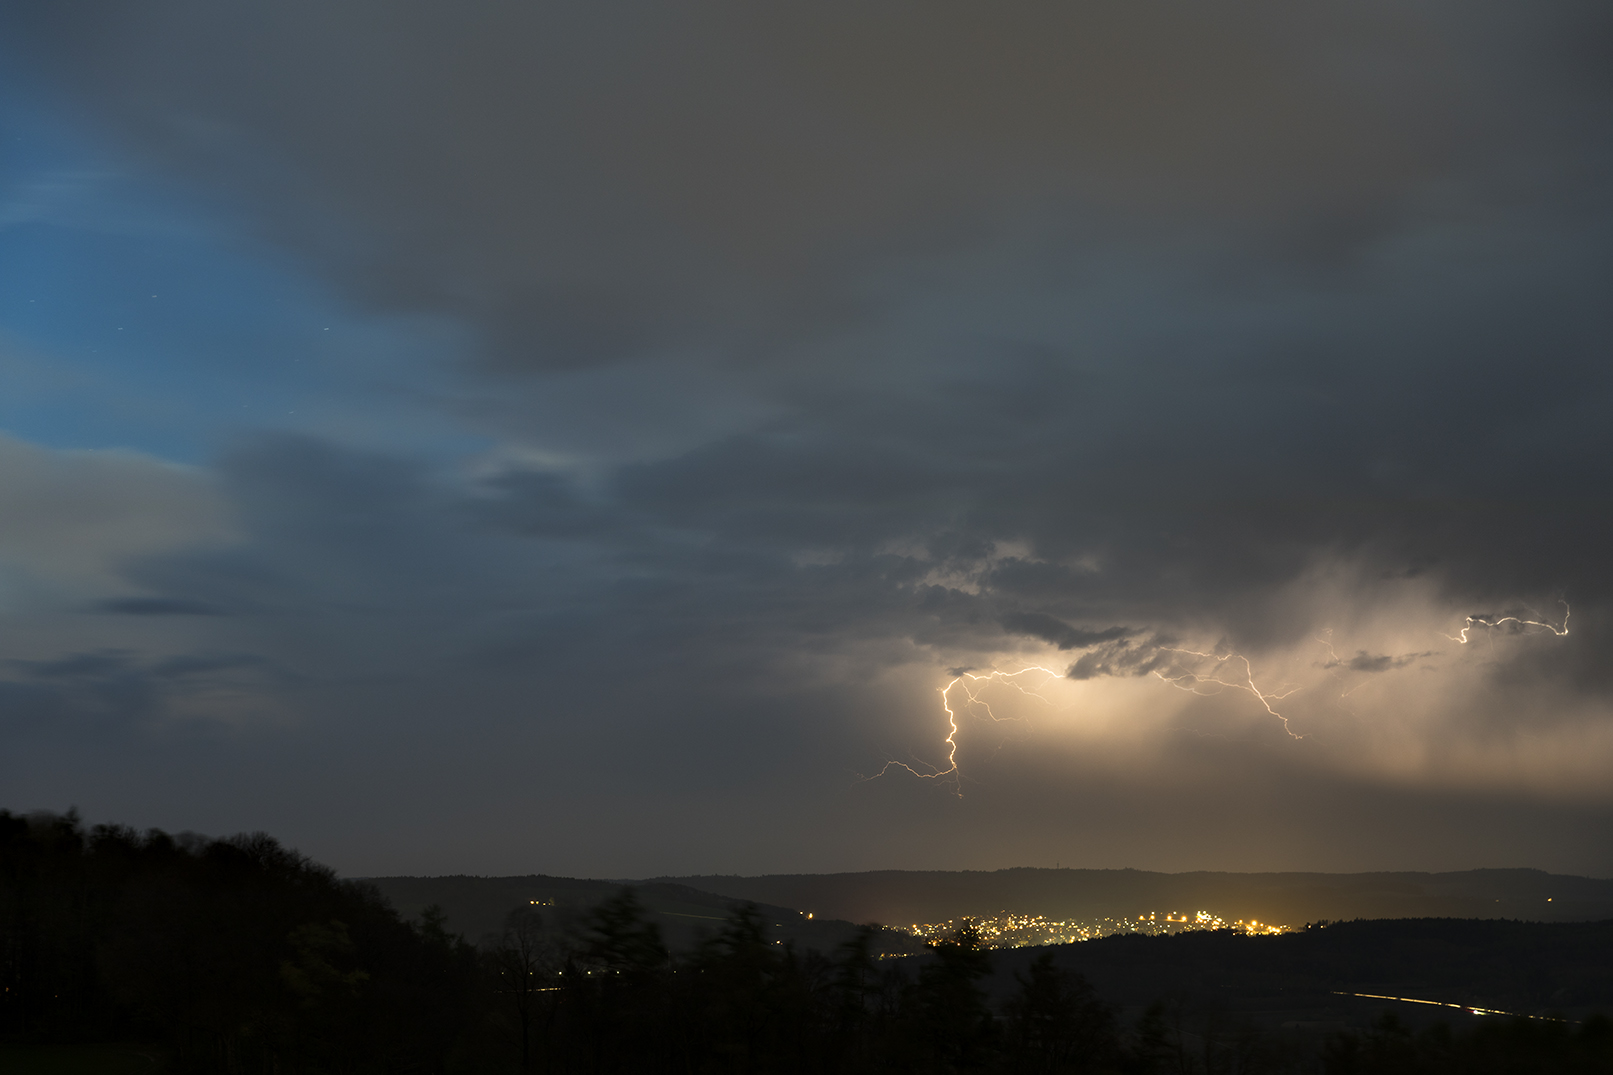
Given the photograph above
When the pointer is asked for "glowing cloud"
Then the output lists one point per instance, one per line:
(1200, 672)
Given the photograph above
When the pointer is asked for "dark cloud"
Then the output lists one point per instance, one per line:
(158, 606)
(122, 672)
(103, 664)
(81, 693)
(818, 343)
(587, 182)
(1379, 662)
(1121, 659)
(1059, 633)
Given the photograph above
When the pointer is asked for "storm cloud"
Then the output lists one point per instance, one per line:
(1054, 630)
(804, 352)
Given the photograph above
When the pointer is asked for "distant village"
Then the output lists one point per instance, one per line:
(1025, 931)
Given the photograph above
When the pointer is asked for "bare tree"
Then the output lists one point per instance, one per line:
(524, 963)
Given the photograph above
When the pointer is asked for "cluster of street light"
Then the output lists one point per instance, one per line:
(1008, 930)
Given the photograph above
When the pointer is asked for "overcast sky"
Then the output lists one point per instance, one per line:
(589, 438)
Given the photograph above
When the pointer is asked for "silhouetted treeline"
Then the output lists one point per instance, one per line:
(617, 1001)
(239, 956)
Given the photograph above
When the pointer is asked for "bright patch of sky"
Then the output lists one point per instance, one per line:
(134, 314)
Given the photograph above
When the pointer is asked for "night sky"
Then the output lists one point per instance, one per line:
(588, 438)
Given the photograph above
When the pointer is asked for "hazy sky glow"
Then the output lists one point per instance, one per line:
(586, 438)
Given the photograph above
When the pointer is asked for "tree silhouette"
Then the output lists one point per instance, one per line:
(957, 1026)
(524, 968)
(618, 986)
(1058, 1024)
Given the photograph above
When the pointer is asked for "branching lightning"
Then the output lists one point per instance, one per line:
(968, 681)
(1192, 681)
(971, 683)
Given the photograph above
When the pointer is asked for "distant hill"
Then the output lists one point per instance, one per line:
(688, 908)
(477, 906)
(899, 897)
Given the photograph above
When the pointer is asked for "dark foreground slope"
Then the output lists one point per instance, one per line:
(899, 897)
(226, 955)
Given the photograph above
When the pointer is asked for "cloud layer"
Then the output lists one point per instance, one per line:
(1200, 354)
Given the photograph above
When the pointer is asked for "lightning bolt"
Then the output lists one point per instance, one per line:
(970, 684)
(1335, 661)
(1192, 681)
(1492, 623)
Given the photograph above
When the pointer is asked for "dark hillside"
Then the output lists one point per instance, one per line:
(1529, 968)
(234, 954)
